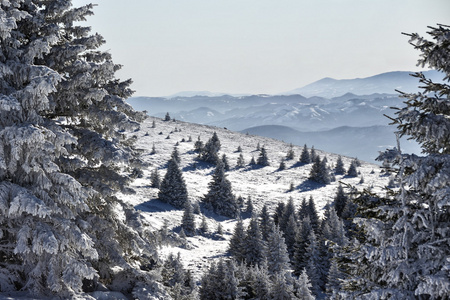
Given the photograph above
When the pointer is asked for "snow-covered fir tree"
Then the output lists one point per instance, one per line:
(237, 246)
(276, 253)
(209, 153)
(352, 169)
(240, 163)
(290, 154)
(226, 165)
(304, 287)
(167, 117)
(320, 172)
(155, 179)
(339, 168)
(173, 189)
(404, 254)
(340, 200)
(305, 158)
(198, 145)
(254, 243)
(220, 197)
(263, 159)
(188, 221)
(265, 222)
(64, 155)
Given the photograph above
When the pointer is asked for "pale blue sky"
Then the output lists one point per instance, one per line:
(258, 46)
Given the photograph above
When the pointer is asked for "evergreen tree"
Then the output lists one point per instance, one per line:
(340, 200)
(173, 188)
(265, 222)
(319, 171)
(299, 260)
(153, 149)
(239, 149)
(305, 158)
(209, 153)
(282, 165)
(290, 235)
(281, 288)
(153, 124)
(240, 161)
(252, 161)
(352, 170)
(220, 197)
(313, 215)
(339, 168)
(63, 155)
(155, 180)
(334, 278)
(313, 154)
(263, 159)
(304, 286)
(315, 264)
(249, 208)
(288, 211)
(175, 155)
(204, 225)
(198, 146)
(409, 249)
(303, 210)
(237, 242)
(277, 255)
(255, 246)
(167, 117)
(261, 285)
(278, 214)
(226, 165)
(290, 154)
(188, 221)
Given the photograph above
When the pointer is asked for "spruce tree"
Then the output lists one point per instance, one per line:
(409, 249)
(220, 197)
(276, 253)
(198, 146)
(240, 161)
(352, 170)
(188, 221)
(226, 165)
(290, 154)
(339, 168)
(265, 222)
(155, 179)
(254, 243)
(209, 153)
(263, 159)
(304, 287)
(305, 158)
(340, 200)
(237, 242)
(313, 154)
(173, 188)
(167, 117)
(64, 155)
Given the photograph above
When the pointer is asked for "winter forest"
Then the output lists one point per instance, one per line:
(99, 201)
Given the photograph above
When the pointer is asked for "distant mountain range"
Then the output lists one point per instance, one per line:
(341, 116)
(381, 83)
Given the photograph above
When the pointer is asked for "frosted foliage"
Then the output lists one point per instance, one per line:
(64, 153)
(405, 253)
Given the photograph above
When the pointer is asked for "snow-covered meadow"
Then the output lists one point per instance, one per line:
(265, 185)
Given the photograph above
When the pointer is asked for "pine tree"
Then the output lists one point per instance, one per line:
(173, 188)
(249, 208)
(313, 154)
(282, 165)
(312, 214)
(237, 242)
(290, 154)
(303, 290)
(255, 246)
(226, 165)
(339, 168)
(263, 159)
(220, 197)
(198, 146)
(352, 170)
(155, 180)
(209, 153)
(319, 171)
(153, 150)
(407, 234)
(240, 161)
(340, 200)
(265, 222)
(277, 255)
(305, 158)
(188, 221)
(63, 155)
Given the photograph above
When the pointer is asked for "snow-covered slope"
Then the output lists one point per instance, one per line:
(265, 185)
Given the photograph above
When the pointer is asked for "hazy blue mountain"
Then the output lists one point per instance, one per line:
(381, 83)
(343, 140)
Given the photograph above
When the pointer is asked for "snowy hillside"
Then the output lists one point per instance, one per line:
(265, 185)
